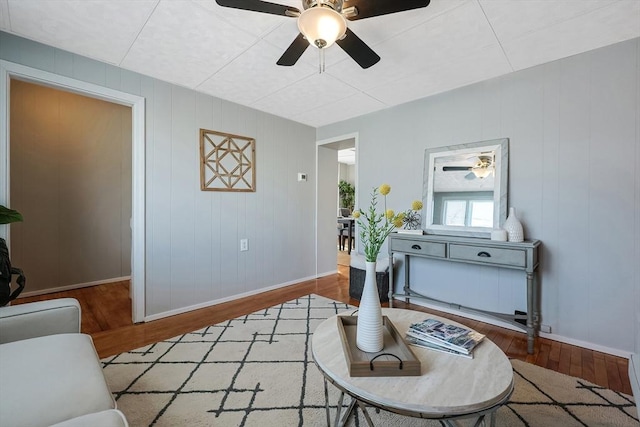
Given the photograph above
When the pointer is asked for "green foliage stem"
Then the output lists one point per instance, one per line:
(375, 227)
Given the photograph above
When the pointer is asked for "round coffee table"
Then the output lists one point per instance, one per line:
(449, 386)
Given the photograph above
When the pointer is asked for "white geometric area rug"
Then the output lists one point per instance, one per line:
(257, 370)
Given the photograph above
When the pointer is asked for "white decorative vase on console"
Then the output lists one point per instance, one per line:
(513, 227)
(369, 332)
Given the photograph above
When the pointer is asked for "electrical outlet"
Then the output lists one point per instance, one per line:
(545, 328)
(244, 245)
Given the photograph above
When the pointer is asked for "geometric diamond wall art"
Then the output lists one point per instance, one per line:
(227, 162)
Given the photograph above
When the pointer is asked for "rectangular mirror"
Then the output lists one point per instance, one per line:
(465, 188)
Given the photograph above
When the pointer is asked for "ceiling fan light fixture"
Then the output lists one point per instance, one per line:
(322, 26)
(481, 172)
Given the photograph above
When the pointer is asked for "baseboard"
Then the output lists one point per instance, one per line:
(327, 273)
(497, 322)
(187, 309)
(72, 287)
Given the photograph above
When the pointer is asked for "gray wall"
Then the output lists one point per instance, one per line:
(71, 180)
(574, 177)
(347, 173)
(192, 237)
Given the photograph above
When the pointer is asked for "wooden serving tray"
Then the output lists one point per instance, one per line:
(395, 360)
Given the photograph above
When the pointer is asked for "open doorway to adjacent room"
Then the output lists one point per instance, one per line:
(71, 157)
(346, 203)
(70, 175)
(337, 161)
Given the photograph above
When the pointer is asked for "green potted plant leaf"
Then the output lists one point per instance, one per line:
(8, 216)
(347, 194)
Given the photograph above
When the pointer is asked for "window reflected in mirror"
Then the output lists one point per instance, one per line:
(472, 210)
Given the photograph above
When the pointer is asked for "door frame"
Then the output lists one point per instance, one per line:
(9, 70)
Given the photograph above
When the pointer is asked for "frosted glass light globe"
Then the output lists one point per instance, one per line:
(322, 26)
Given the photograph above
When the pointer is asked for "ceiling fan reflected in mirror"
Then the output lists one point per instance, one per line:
(482, 168)
(324, 22)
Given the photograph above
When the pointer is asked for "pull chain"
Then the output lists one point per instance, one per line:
(321, 61)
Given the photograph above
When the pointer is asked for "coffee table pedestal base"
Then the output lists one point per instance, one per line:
(344, 413)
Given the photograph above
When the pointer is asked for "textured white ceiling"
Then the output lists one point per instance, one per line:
(231, 54)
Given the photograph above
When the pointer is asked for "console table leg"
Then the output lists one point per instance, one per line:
(407, 286)
(391, 284)
(531, 332)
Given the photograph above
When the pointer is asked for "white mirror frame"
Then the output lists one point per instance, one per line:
(501, 149)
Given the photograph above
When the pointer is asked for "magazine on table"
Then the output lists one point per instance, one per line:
(416, 342)
(447, 335)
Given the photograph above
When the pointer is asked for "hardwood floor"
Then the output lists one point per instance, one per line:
(106, 316)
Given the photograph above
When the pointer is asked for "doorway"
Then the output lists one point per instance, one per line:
(329, 173)
(8, 71)
(70, 175)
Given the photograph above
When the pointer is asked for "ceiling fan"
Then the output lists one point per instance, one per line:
(323, 22)
(482, 168)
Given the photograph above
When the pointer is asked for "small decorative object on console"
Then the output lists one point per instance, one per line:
(411, 218)
(513, 227)
(499, 235)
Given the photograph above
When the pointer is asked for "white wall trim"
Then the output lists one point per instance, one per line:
(499, 323)
(588, 345)
(10, 70)
(327, 273)
(226, 299)
(113, 280)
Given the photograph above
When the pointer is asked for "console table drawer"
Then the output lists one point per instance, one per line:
(415, 247)
(496, 256)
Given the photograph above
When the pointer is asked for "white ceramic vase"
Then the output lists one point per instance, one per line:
(513, 227)
(369, 332)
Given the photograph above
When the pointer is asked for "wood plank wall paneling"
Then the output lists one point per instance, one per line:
(192, 238)
(574, 129)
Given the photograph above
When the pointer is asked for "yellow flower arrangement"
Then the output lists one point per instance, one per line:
(374, 226)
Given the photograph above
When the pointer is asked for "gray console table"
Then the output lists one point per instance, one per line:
(519, 256)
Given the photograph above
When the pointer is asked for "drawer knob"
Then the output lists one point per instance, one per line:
(416, 247)
(484, 254)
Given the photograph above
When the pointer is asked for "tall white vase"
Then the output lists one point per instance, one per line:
(513, 227)
(369, 332)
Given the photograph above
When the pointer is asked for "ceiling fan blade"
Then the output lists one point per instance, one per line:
(294, 51)
(260, 6)
(370, 8)
(358, 50)
(456, 168)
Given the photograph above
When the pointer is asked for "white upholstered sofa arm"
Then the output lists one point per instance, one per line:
(36, 319)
